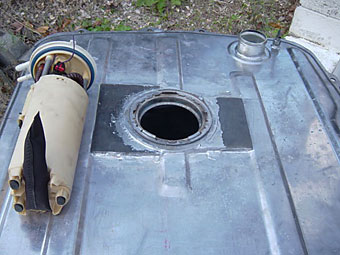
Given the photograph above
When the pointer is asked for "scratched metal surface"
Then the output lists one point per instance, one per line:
(280, 197)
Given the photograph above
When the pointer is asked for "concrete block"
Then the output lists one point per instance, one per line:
(328, 58)
(329, 8)
(316, 27)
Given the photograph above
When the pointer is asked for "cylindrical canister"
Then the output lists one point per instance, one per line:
(61, 104)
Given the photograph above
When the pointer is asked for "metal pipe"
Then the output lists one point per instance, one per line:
(251, 44)
(48, 63)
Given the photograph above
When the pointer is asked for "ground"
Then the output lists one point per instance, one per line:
(32, 20)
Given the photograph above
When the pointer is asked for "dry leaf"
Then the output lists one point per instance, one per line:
(275, 25)
(4, 90)
(65, 23)
(97, 23)
(18, 26)
(42, 30)
(29, 25)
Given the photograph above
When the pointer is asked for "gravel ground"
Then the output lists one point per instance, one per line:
(33, 20)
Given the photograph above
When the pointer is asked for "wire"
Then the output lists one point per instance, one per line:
(73, 50)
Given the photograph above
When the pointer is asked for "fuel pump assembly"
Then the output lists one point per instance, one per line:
(44, 160)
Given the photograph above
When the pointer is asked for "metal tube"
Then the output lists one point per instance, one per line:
(48, 63)
(251, 44)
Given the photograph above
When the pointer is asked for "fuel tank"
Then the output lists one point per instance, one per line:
(193, 143)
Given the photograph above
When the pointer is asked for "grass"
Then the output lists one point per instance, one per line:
(103, 24)
(159, 5)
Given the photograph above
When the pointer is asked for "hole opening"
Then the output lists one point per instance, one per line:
(18, 208)
(169, 118)
(170, 122)
(15, 185)
(61, 200)
(254, 37)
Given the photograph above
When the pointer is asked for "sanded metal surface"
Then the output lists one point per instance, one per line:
(110, 104)
(234, 124)
(275, 191)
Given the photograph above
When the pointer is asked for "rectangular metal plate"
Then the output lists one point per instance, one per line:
(234, 123)
(110, 103)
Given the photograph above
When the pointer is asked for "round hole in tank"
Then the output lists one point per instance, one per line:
(170, 117)
(170, 122)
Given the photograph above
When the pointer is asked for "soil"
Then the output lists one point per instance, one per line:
(33, 20)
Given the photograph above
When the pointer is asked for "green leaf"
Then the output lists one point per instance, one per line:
(233, 17)
(160, 6)
(176, 2)
(140, 3)
(86, 23)
(123, 27)
(148, 3)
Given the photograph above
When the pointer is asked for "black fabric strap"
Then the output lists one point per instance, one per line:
(35, 171)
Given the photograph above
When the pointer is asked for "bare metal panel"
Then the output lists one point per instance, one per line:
(271, 186)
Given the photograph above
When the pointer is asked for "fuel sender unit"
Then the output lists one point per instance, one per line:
(44, 160)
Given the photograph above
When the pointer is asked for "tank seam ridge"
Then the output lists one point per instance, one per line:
(282, 172)
(179, 62)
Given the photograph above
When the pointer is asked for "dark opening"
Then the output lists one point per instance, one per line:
(18, 208)
(14, 184)
(170, 122)
(253, 37)
(61, 200)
